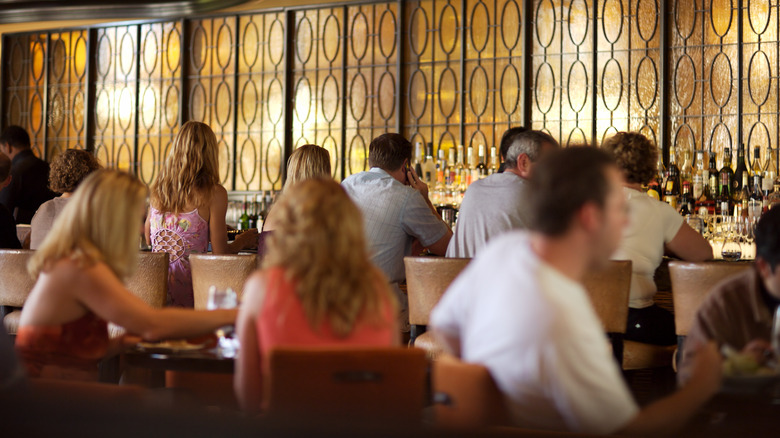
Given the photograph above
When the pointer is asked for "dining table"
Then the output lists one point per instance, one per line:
(159, 361)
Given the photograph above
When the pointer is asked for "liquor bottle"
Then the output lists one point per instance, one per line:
(686, 171)
(743, 197)
(756, 202)
(769, 175)
(686, 200)
(438, 197)
(736, 183)
(714, 177)
(461, 170)
(429, 166)
(417, 159)
(726, 174)
(672, 188)
(724, 199)
(254, 213)
(450, 174)
(262, 210)
(482, 170)
(756, 169)
(698, 180)
(470, 166)
(705, 204)
(243, 221)
(493, 161)
(774, 198)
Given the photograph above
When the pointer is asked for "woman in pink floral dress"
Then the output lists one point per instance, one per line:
(188, 206)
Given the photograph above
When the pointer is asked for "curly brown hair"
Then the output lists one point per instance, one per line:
(69, 168)
(635, 154)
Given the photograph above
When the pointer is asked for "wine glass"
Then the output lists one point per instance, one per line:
(223, 299)
(731, 249)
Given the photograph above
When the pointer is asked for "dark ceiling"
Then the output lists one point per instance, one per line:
(19, 11)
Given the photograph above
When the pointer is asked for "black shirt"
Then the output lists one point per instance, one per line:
(29, 186)
(8, 237)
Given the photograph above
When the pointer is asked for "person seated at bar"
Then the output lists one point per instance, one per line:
(520, 310)
(306, 162)
(739, 311)
(79, 269)
(8, 236)
(29, 176)
(187, 209)
(317, 287)
(67, 171)
(503, 147)
(398, 216)
(498, 203)
(653, 227)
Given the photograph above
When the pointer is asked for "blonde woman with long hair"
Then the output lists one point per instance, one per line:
(317, 287)
(306, 162)
(80, 267)
(188, 207)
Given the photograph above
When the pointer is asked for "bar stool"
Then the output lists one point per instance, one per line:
(427, 278)
(15, 285)
(609, 289)
(222, 271)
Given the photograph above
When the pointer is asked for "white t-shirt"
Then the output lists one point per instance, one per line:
(537, 333)
(652, 224)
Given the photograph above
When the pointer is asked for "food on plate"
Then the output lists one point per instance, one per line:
(745, 364)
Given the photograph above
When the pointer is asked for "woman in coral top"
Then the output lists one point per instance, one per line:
(317, 286)
(91, 248)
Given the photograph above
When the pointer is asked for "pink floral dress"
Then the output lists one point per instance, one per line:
(179, 235)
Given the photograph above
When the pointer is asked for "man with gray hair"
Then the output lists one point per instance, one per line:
(8, 239)
(496, 204)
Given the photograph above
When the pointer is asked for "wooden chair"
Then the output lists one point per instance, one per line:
(427, 278)
(609, 289)
(354, 384)
(15, 285)
(222, 271)
(691, 283)
(149, 282)
(465, 396)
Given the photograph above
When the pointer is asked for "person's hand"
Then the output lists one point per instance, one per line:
(707, 369)
(758, 349)
(247, 239)
(416, 183)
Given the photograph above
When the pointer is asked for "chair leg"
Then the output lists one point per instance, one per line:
(616, 339)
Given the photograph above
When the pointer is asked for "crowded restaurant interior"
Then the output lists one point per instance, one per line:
(390, 217)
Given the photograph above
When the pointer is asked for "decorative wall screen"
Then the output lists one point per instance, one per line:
(699, 74)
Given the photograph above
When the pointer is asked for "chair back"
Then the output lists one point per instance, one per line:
(222, 271)
(367, 384)
(466, 396)
(426, 280)
(15, 282)
(609, 289)
(149, 282)
(692, 282)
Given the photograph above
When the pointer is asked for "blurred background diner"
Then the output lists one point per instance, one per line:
(260, 200)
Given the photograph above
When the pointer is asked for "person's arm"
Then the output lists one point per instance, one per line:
(690, 245)
(148, 230)
(102, 292)
(670, 414)
(248, 379)
(416, 183)
(218, 227)
(449, 342)
(440, 247)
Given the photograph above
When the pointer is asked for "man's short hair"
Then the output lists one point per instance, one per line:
(529, 143)
(16, 136)
(5, 167)
(388, 152)
(506, 140)
(562, 182)
(768, 237)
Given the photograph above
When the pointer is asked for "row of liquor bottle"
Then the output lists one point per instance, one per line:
(694, 188)
(250, 213)
(448, 178)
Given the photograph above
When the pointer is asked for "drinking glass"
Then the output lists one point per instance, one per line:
(224, 299)
(731, 249)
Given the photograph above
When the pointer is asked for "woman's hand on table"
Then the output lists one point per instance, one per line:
(247, 239)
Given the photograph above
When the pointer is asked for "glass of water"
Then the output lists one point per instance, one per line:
(224, 299)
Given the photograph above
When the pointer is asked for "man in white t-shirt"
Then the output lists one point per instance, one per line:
(519, 309)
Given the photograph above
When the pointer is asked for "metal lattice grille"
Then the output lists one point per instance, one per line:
(115, 94)
(260, 133)
(25, 90)
(704, 111)
(66, 92)
(442, 71)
